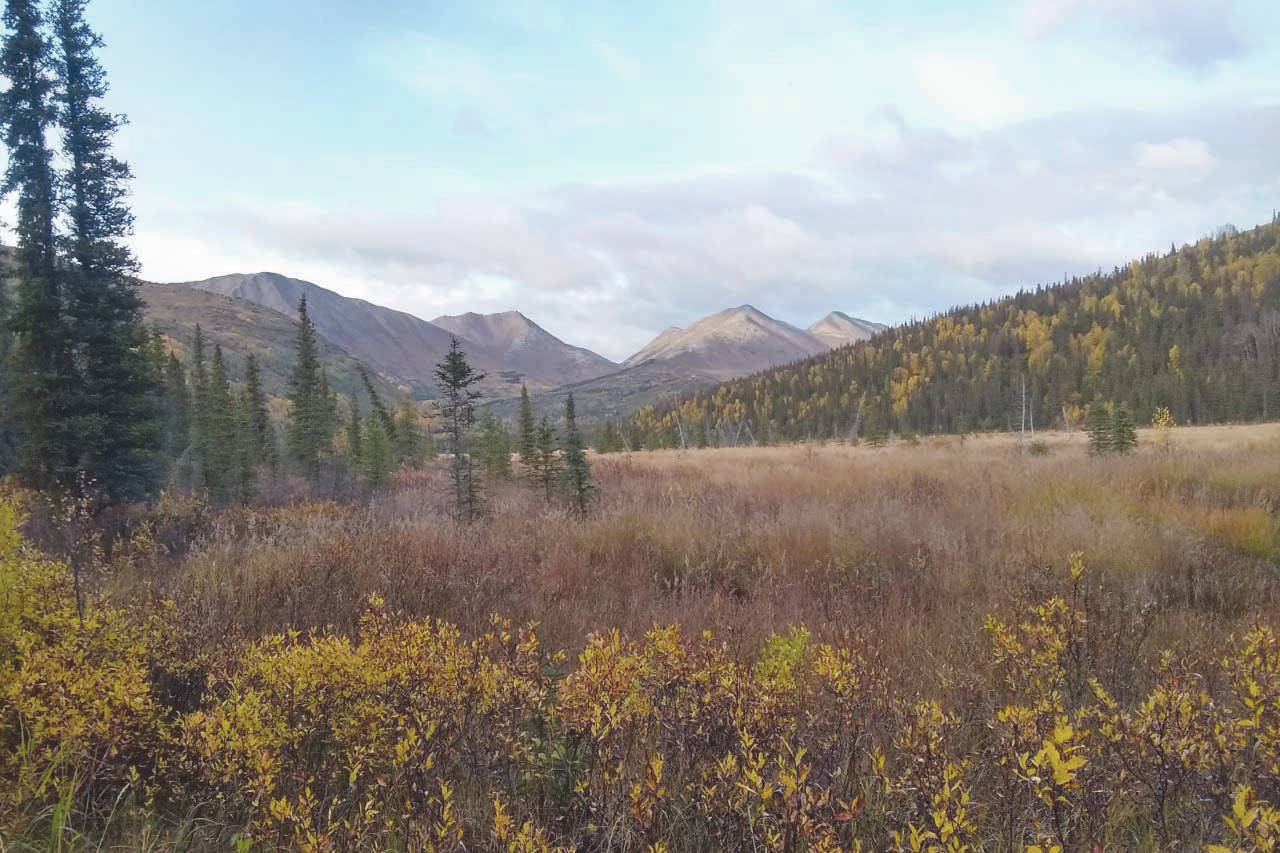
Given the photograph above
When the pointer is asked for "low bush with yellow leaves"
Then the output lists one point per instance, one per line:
(407, 735)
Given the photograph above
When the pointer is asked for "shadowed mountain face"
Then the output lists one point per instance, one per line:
(393, 344)
(405, 349)
(513, 339)
(838, 329)
(731, 343)
(244, 327)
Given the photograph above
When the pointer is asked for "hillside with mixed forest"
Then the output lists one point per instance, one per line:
(1196, 330)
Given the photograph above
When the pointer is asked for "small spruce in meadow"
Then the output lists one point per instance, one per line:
(575, 476)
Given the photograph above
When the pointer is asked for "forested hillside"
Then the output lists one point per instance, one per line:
(1196, 330)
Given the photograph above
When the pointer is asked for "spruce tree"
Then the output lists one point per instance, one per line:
(353, 436)
(116, 416)
(309, 433)
(528, 430)
(457, 412)
(411, 446)
(1098, 426)
(377, 456)
(177, 408)
(199, 410)
(222, 440)
(575, 478)
(493, 448)
(8, 433)
(874, 431)
(607, 440)
(375, 403)
(546, 464)
(1123, 432)
(244, 472)
(261, 433)
(42, 378)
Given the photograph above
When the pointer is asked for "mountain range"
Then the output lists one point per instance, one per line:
(251, 312)
(1192, 335)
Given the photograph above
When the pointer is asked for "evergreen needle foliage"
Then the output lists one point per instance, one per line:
(309, 433)
(575, 476)
(546, 458)
(457, 379)
(84, 392)
(528, 430)
(1098, 426)
(493, 448)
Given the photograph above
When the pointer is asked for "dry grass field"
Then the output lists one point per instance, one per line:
(912, 544)
(951, 644)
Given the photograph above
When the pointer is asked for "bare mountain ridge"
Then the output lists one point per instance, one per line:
(731, 343)
(838, 329)
(520, 342)
(405, 349)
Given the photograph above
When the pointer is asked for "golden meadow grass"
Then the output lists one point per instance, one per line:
(889, 648)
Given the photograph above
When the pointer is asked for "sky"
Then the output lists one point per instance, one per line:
(612, 169)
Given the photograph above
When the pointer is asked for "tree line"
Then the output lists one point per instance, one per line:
(1196, 331)
(222, 440)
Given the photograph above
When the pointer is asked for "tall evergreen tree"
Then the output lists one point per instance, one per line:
(375, 402)
(115, 419)
(177, 407)
(377, 456)
(528, 430)
(200, 408)
(244, 471)
(575, 478)
(222, 440)
(42, 373)
(8, 433)
(457, 379)
(261, 434)
(311, 416)
(546, 464)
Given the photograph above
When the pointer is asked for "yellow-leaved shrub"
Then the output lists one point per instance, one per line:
(408, 735)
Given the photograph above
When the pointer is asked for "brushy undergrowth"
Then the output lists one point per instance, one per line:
(1055, 723)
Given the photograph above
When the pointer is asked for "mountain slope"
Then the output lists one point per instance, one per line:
(838, 329)
(244, 327)
(514, 340)
(1196, 330)
(614, 395)
(730, 343)
(393, 344)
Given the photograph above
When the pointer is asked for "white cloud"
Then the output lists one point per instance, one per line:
(1182, 154)
(973, 92)
(890, 226)
(1193, 33)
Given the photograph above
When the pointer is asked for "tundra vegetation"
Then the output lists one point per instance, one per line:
(943, 645)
